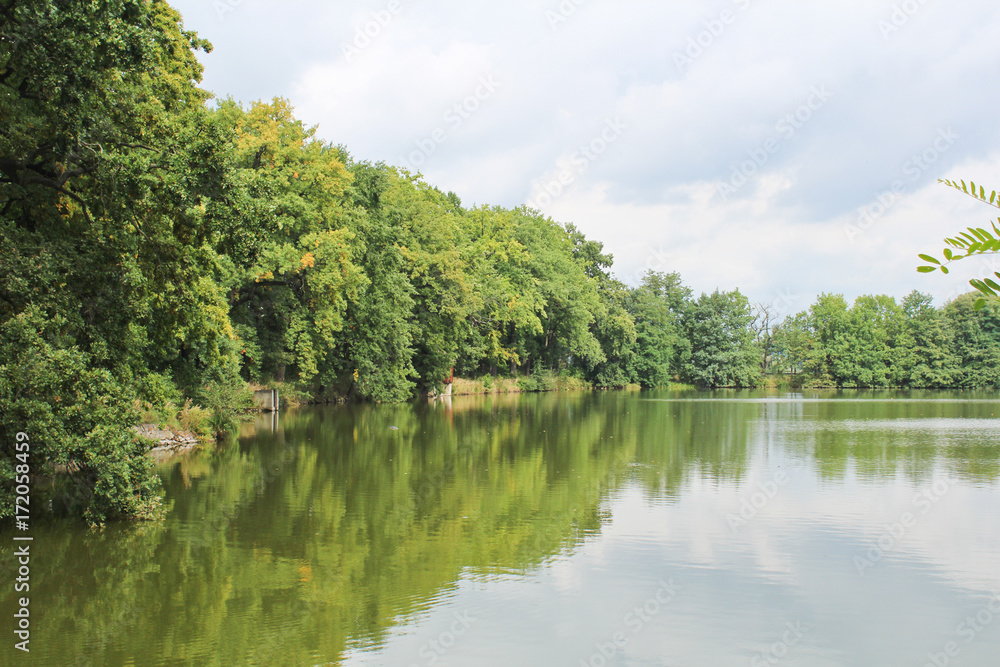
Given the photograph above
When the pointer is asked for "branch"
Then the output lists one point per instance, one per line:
(58, 188)
(993, 200)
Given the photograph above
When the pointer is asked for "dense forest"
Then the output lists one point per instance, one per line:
(159, 246)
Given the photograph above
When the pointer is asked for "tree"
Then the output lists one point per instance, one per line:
(724, 352)
(116, 200)
(290, 303)
(508, 303)
(658, 306)
(926, 355)
(867, 343)
(763, 325)
(977, 340)
(791, 341)
(828, 321)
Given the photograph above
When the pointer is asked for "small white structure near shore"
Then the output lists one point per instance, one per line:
(267, 400)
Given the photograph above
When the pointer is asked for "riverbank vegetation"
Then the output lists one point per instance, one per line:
(163, 249)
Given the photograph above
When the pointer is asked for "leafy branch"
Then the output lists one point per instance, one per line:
(974, 241)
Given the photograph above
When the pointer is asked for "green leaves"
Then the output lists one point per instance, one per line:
(972, 242)
(971, 190)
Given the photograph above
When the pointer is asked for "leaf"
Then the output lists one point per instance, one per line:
(983, 287)
(980, 303)
(928, 258)
(926, 269)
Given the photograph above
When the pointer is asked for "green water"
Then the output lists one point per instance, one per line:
(562, 529)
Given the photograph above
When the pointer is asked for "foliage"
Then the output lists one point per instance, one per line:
(724, 352)
(658, 307)
(973, 242)
(78, 419)
(879, 343)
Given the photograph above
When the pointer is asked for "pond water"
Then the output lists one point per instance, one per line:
(667, 529)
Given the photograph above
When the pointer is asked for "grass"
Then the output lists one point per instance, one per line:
(191, 418)
(485, 385)
(536, 382)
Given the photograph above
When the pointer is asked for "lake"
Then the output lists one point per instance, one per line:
(610, 528)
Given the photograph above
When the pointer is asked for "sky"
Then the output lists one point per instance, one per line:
(783, 148)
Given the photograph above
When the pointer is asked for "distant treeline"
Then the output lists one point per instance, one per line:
(878, 342)
(157, 246)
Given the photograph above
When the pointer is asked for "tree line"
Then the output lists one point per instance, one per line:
(157, 245)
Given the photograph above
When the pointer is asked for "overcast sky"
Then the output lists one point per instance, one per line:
(784, 148)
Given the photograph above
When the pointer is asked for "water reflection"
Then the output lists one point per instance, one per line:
(525, 530)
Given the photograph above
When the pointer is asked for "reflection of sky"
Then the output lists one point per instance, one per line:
(794, 562)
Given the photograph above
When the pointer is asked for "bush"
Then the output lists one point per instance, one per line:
(79, 421)
(195, 419)
(226, 404)
(539, 380)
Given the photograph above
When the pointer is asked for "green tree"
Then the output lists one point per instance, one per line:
(658, 305)
(828, 321)
(866, 345)
(928, 345)
(508, 303)
(724, 352)
(116, 196)
(977, 340)
(377, 350)
(792, 341)
(569, 297)
(290, 303)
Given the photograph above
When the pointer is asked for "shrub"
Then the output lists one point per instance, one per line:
(79, 420)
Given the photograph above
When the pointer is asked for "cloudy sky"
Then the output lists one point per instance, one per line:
(784, 148)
